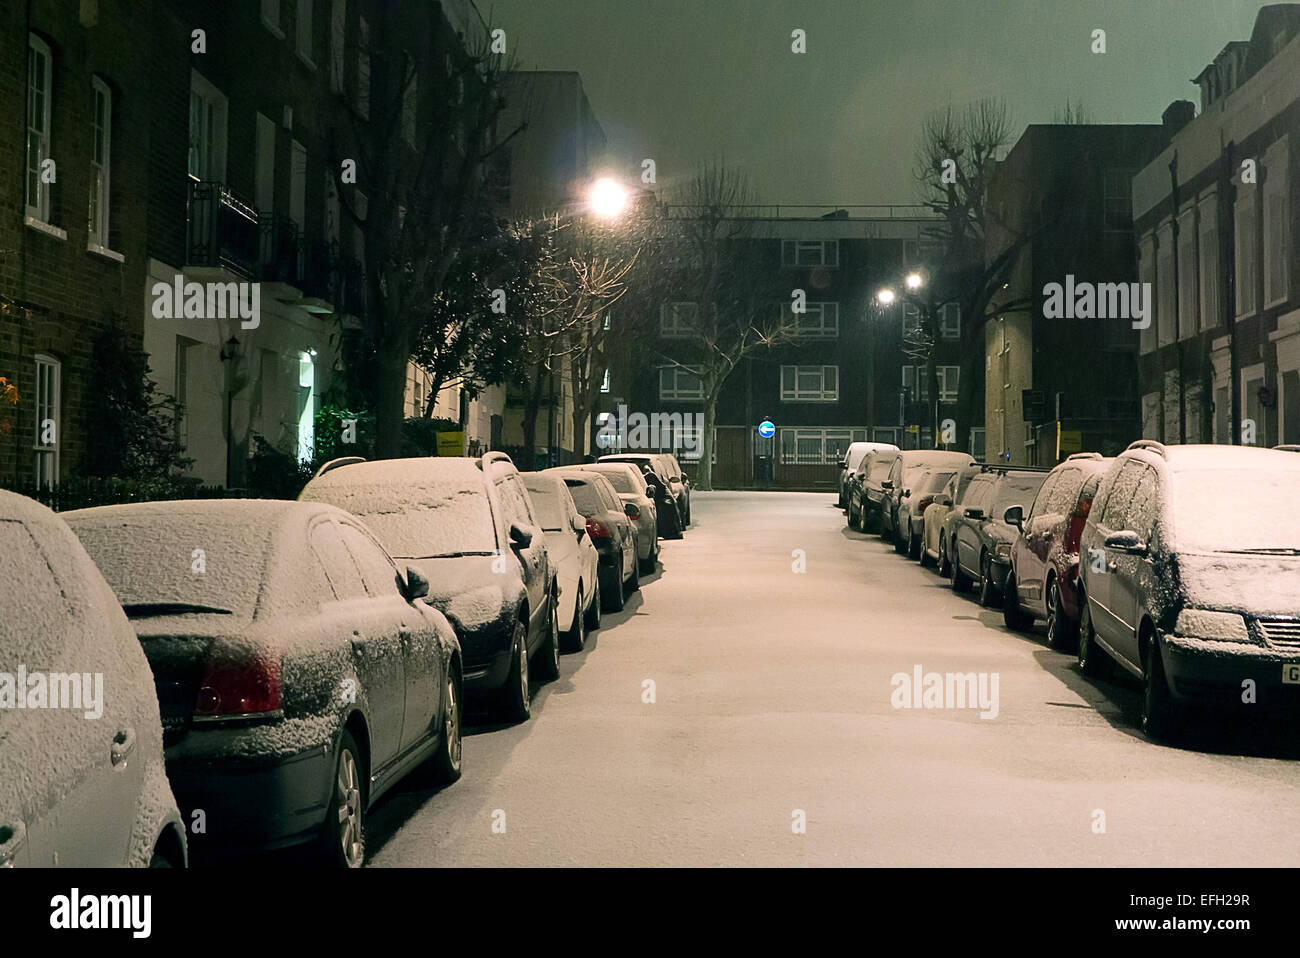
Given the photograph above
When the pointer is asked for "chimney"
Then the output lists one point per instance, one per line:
(1177, 115)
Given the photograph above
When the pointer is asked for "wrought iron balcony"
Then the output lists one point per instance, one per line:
(221, 229)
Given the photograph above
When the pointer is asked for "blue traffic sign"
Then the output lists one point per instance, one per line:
(766, 429)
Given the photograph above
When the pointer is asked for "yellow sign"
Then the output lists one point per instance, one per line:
(1071, 441)
(914, 430)
(451, 443)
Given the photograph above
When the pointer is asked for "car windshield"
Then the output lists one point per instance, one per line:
(1235, 510)
(621, 480)
(1015, 491)
(879, 469)
(586, 498)
(546, 503)
(426, 518)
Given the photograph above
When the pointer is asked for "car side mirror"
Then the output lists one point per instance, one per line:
(906, 494)
(944, 501)
(1014, 516)
(652, 491)
(631, 511)
(579, 525)
(1128, 542)
(973, 513)
(887, 484)
(520, 536)
(417, 586)
(844, 464)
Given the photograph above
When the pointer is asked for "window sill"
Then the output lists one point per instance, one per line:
(105, 252)
(1280, 301)
(305, 60)
(272, 28)
(43, 227)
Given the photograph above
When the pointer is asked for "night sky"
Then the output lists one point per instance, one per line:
(686, 80)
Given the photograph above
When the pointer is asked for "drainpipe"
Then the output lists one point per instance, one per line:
(1228, 270)
(1178, 338)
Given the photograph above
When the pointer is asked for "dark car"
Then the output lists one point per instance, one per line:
(1190, 564)
(851, 464)
(611, 531)
(904, 470)
(980, 544)
(864, 490)
(82, 785)
(467, 525)
(911, 516)
(298, 672)
(1044, 578)
(665, 466)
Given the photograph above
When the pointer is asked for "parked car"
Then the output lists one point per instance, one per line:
(82, 785)
(911, 517)
(299, 674)
(632, 489)
(934, 544)
(1044, 577)
(865, 489)
(572, 555)
(979, 547)
(611, 531)
(468, 527)
(1190, 564)
(904, 469)
(852, 461)
(666, 467)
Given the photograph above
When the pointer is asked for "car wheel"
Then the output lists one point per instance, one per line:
(343, 843)
(902, 540)
(613, 597)
(886, 532)
(1013, 616)
(960, 580)
(1062, 634)
(575, 637)
(547, 659)
(648, 566)
(987, 593)
(855, 522)
(1161, 715)
(446, 764)
(1092, 660)
(634, 583)
(945, 567)
(518, 702)
(592, 616)
(914, 547)
(159, 860)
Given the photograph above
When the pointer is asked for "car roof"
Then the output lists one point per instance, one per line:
(1201, 457)
(464, 468)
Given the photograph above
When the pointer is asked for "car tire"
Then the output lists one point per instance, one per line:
(1162, 717)
(575, 637)
(902, 540)
(1013, 616)
(446, 763)
(159, 860)
(1062, 634)
(634, 583)
(614, 597)
(342, 840)
(592, 616)
(945, 567)
(855, 520)
(960, 580)
(924, 557)
(517, 700)
(1093, 662)
(647, 567)
(987, 594)
(914, 547)
(547, 659)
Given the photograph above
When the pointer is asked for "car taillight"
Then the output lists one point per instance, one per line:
(1073, 533)
(634, 514)
(923, 503)
(597, 529)
(1085, 507)
(234, 687)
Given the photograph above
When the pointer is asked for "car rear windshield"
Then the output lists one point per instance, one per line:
(431, 517)
(546, 503)
(1217, 510)
(585, 497)
(620, 478)
(35, 617)
(1016, 491)
(937, 480)
(880, 469)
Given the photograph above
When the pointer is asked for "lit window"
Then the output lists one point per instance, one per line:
(48, 425)
(101, 115)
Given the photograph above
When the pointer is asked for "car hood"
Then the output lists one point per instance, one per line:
(1254, 584)
(467, 589)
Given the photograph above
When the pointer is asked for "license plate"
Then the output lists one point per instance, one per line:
(1291, 673)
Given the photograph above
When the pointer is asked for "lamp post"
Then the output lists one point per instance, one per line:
(229, 357)
(913, 284)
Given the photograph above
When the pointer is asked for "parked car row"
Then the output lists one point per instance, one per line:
(1178, 564)
(273, 667)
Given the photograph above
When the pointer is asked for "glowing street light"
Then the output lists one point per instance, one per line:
(886, 297)
(914, 281)
(607, 198)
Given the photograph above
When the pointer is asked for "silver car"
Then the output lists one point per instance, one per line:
(631, 486)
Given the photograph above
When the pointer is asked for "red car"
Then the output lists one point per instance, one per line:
(1044, 576)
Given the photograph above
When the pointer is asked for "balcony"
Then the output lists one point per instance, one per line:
(221, 230)
(282, 254)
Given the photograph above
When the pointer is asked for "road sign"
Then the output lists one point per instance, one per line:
(766, 429)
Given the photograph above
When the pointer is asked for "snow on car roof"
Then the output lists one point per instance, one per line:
(1207, 456)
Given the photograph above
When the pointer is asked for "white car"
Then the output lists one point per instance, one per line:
(573, 555)
(82, 780)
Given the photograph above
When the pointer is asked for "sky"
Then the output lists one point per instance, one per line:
(686, 81)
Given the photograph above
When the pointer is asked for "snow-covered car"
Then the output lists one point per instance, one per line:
(82, 777)
(572, 554)
(904, 469)
(911, 510)
(298, 672)
(1190, 574)
(1044, 577)
(934, 548)
(666, 467)
(467, 525)
(979, 546)
(865, 491)
(632, 488)
(852, 462)
(610, 528)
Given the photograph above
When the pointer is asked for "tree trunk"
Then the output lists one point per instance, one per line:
(579, 430)
(705, 479)
(431, 400)
(390, 400)
(532, 405)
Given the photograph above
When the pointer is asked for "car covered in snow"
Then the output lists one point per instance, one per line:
(853, 459)
(979, 543)
(572, 554)
(299, 674)
(82, 777)
(467, 525)
(911, 514)
(611, 531)
(633, 488)
(864, 490)
(934, 543)
(667, 468)
(1191, 579)
(1044, 577)
(905, 468)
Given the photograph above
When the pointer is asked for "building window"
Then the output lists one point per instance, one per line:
(264, 165)
(810, 383)
(1208, 255)
(48, 424)
(39, 65)
(182, 389)
(1146, 275)
(916, 384)
(817, 447)
(1245, 243)
(818, 321)
(678, 320)
(101, 115)
(207, 152)
(271, 17)
(361, 97)
(948, 378)
(1276, 204)
(1166, 320)
(1117, 200)
(303, 29)
(1187, 313)
(338, 37)
(680, 383)
(950, 321)
(605, 382)
(410, 103)
(810, 253)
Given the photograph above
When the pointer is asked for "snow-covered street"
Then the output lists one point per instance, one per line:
(770, 736)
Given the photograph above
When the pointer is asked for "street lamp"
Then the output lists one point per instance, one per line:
(886, 297)
(914, 281)
(607, 198)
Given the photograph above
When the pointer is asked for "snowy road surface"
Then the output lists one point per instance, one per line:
(772, 696)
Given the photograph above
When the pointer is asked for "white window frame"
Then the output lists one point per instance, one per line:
(269, 12)
(838, 437)
(1166, 321)
(820, 320)
(948, 375)
(671, 324)
(800, 252)
(38, 206)
(1276, 213)
(48, 405)
(212, 134)
(1246, 253)
(100, 169)
(304, 31)
(1207, 263)
(605, 383)
(950, 321)
(338, 43)
(824, 393)
(916, 384)
(677, 393)
(1148, 339)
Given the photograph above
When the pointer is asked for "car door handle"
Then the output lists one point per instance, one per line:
(123, 746)
(12, 838)
(1111, 566)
